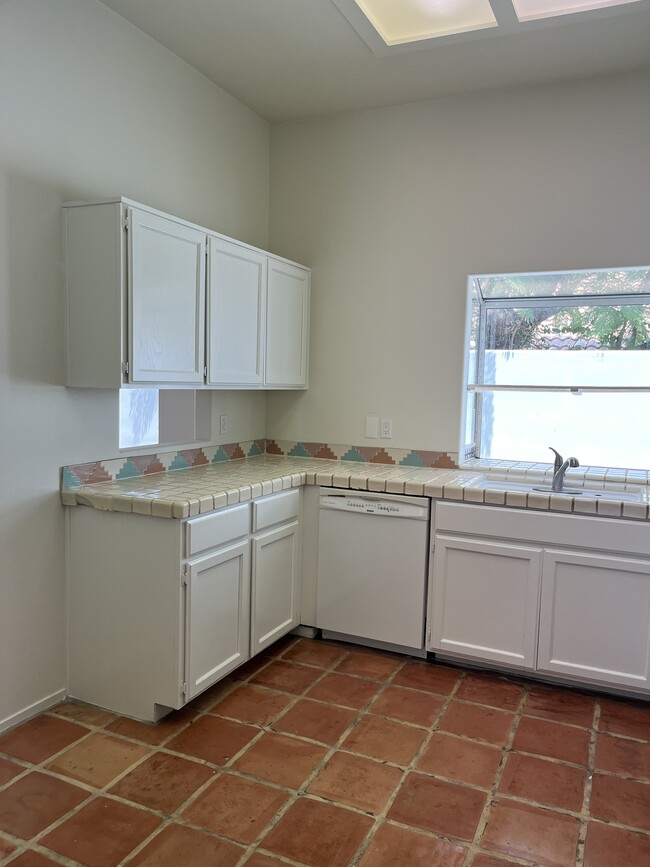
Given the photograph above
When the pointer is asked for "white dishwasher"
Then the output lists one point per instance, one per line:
(372, 568)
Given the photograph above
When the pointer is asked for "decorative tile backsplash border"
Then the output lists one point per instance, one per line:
(363, 454)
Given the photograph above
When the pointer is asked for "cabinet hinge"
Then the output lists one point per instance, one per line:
(185, 576)
(205, 370)
(125, 368)
(183, 688)
(125, 222)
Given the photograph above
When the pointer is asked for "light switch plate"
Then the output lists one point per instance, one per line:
(372, 427)
(224, 424)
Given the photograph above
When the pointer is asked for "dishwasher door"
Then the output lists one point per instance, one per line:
(372, 567)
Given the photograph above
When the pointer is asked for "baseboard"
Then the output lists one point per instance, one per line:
(305, 631)
(33, 710)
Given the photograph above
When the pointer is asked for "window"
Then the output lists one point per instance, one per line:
(559, 359)
(149, 416)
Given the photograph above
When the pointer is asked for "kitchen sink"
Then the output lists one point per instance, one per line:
(630, 496)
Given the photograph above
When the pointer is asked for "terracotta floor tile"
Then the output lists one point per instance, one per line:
(259, 860)
(102, 833)
(282, 645)
(151, 733)
(547, 783)
(356, 782)
(623, 757)
(279, 759)
(318, 653)
(384, 739)
(33, 859)
(408, 705)
(471, 721)
(317, 834)
(561, 705)
(176, 845)
(427, 676)
(344, 690)
(40, 738)
(6, 848)
(392, 845)
(372, 666)
(9, 770)
(235, 808)
(162, 782)
(607, 846)
(287, 676)
(251, 704)
(631, 719)
(251, 668)
(320, 722)
(486, 689)
(83, 713)
(97, 760)
(213, 739)
(624, 801)
(490, 861)
(554, 740)
(460, 759)
(523, 831)
(437, 806)
(33, 802)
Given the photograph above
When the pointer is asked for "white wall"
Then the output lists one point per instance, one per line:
(394, 208)
(89, 107)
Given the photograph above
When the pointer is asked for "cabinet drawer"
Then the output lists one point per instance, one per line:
(217, 528)
(275, 509)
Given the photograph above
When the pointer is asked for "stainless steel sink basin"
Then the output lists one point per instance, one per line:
(635, 496)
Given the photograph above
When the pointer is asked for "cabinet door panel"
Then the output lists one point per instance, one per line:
(166, 300)
(217, 616)
(485, 600)
(275, 607)
(287, 325)
(595, 618)
(236, 314)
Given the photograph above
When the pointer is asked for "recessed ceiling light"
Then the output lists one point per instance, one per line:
(530, 10)
(415, 20)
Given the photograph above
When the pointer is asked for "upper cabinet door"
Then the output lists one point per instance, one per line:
(236, 314)
(287, 325)
(166, 266)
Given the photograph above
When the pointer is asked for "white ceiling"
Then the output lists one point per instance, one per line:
(301, 58)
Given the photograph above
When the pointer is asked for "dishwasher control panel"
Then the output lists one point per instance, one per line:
(369, 505)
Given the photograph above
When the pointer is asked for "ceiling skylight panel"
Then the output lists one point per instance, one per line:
(531, 10)
(415, 20)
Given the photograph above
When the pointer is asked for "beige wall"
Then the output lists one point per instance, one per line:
(394, 208)
(89, 107)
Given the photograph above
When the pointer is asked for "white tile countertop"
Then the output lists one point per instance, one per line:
(188, 492)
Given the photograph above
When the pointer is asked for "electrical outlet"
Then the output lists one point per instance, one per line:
(372, 427)
(224, 424)
(387, 428)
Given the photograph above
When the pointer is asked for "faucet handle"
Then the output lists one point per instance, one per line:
(559, 460)
(573, 462)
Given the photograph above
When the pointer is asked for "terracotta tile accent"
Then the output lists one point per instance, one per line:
(494, 691)
(9, 770)
(251, 704)
(287, 676)
(554, 740)
(151, 733)
(281, 760)
(33, 859)
(341, 689)
(318, 653)
(213, 739)
(235, 808)
(176, 845)
(623, 757)
(36, 740)
(561, 705)
(471, 721)
(385, 740)
(162, 782)
(319, 722)
(460, 759)
(318, 834)
(97, 760)
(548, 783)
(523, 831)
(408, 705)
(607, 846)
(439, 807)
(623, 801)
(625, 718)
(357, 782)
(83, 713)
(372, 666)
(392, 845)
(427, 676)
(33, 802)
(326, 452)
(102, 833)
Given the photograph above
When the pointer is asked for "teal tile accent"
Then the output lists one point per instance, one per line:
(68, 480)
(254, 451)
(353, 455)
(128, 471)
(412, 459)
(220, 455)
(179, 463)
(299, 451)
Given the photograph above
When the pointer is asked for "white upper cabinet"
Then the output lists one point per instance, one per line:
(287, 325)
(236, 314)
(166, 282)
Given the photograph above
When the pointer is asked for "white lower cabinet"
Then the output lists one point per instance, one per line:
(275, 605)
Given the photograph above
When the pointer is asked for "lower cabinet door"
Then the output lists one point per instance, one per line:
(595, 618)
(484, 600)
(217, 616)
(275, 605)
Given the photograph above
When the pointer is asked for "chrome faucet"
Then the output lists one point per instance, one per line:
(560, 466)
